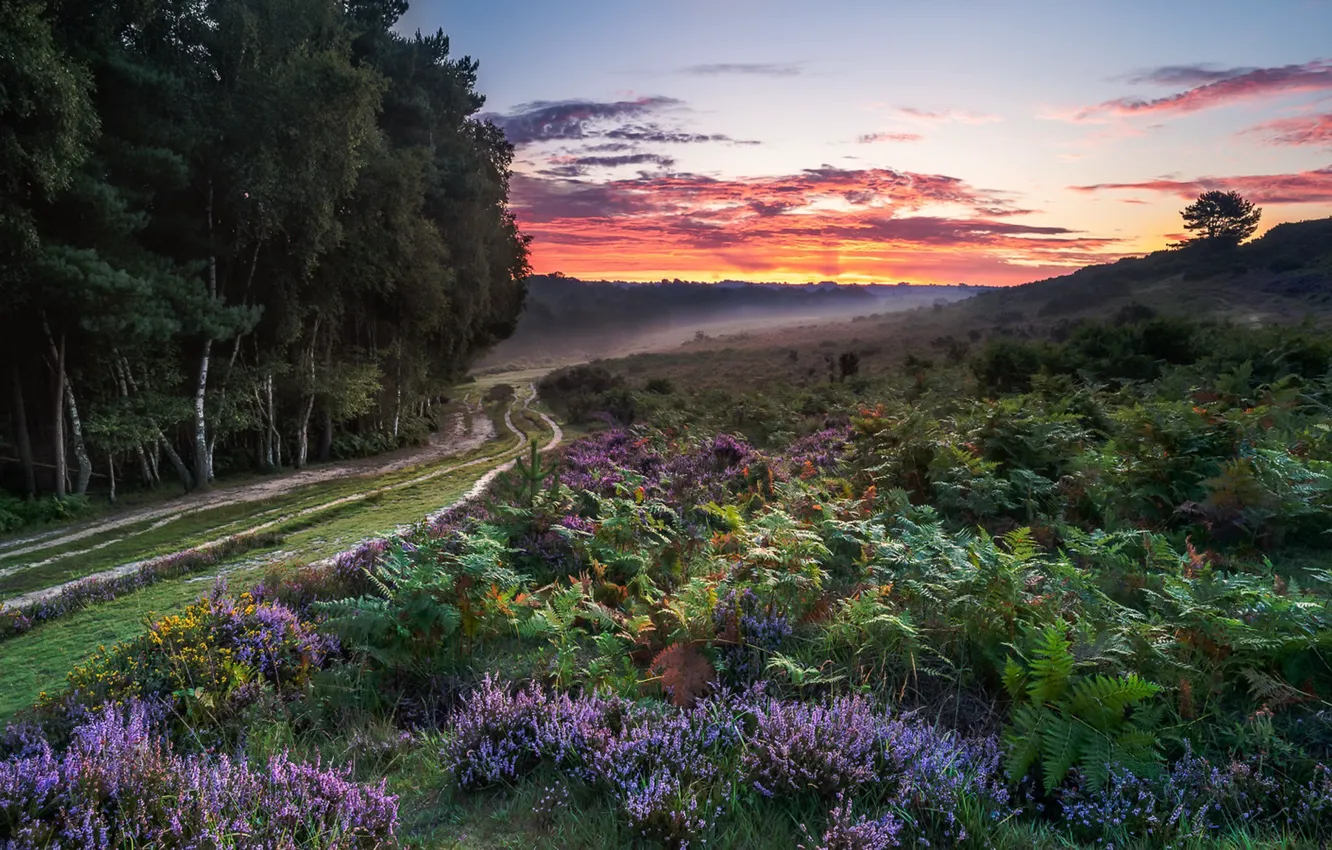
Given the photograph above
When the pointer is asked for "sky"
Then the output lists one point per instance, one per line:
(928, 141)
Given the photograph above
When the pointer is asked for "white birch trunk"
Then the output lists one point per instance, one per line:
(80, 449)
(201, 473)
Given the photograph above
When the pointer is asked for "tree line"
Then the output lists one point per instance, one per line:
(237, 234)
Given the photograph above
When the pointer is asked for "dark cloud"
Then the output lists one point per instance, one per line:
(767, 208)
(545, 120)
(1186, 75)
(762, 69)
(654, 133)
(610, 146)
(569, 167)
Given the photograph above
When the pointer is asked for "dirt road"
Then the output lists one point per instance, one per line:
(466, 431)
(462, 443)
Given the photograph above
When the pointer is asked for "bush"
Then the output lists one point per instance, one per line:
(119, 785)
(18, 513)
(500, 394)
(210, 662)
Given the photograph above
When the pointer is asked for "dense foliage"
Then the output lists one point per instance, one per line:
(238, 233)
(1065, 593)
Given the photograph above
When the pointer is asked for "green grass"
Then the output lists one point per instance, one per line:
(143, 540)
(39, 660)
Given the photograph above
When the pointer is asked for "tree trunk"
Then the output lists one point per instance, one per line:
(22, 440)
(58, 356)
(303, 431)
(111, 473)
(144, 469)
(397, 410)
(186, 480)
(303, 435)
(80, 449)
(121, 371)
(201, 471)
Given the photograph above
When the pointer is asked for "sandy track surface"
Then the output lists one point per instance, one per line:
(453, 440)
(557, 435)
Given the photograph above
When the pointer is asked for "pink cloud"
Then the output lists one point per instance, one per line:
(865, 224)
(1313, 130)
(1304, 187)
(1244, 84)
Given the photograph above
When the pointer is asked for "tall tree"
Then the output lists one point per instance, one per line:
(275, 217)
(1220, 219)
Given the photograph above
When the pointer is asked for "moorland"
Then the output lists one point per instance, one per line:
(1039, 567)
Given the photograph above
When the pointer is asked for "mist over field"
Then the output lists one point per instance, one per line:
(566, 320)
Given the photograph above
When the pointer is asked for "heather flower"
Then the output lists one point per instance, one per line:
(747, 632)
(120, 785)
(661, 807)
(1192, 800)
(862, 833)
(495, 734)
(826, 748)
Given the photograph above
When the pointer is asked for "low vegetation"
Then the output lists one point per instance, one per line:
(1058, 592)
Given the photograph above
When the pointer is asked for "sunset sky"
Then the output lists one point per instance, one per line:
(928, 141)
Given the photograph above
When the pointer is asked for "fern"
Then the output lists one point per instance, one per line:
(1061, 720)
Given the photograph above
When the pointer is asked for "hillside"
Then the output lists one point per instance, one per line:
(1284, 275)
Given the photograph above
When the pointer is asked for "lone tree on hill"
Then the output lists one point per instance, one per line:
(1220, 219)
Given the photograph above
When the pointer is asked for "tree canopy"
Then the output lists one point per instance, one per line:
(1221, 218)
(238, 233)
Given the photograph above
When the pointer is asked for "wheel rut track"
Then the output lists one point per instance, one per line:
(502, 462)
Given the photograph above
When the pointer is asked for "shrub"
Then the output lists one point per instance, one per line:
(120, 785)
(824, 749)
(209, 662)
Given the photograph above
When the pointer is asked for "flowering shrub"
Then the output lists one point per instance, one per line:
(1195, 799)
(664, 767)
(495, 734)
(747, 632)
(119, 785)
(826, 749)
(212, 659)
(862, 833)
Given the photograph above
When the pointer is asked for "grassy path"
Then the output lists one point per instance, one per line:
(467, 428)
(39, 660)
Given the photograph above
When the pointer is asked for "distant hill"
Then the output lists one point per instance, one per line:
(1283, 276)
(568, 319)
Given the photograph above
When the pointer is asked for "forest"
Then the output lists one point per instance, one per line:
(236, 235)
